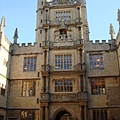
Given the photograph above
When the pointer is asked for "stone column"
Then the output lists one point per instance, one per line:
(47, 57)
(45, 36)
(46, 113)
(47, 84)
(80, 52)
(46, 19)
(81, 83)
(78, 13)
(41, 113)
(85, 113)
(80, 113)
(84, 83)
(42, 87)
(79, 33)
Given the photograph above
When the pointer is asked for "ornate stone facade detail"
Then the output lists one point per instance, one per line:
(60, 97)
(63, 33)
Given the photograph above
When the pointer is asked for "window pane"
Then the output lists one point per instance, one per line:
(63, 86)
(100, 114)
(27, 115)
(63, 62)
(96, 61)
(28, 88)
(98, 86)
(29, 64)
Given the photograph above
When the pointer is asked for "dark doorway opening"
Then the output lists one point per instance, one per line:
(64, 115)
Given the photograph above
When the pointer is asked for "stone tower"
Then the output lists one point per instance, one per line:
(61, 33)
(63, 75)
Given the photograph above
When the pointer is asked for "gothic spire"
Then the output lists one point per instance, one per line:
(111, 32)
(2, 24)
(119, 18)
(15, 36)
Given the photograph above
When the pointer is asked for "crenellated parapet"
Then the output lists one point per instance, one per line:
(98, 45)
(23, 48)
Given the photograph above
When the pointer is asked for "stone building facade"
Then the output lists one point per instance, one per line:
(64, 75)
(4, 56)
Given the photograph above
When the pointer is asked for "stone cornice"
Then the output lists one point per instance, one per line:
(14, 79)
(55, 73)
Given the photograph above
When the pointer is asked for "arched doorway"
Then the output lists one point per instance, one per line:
(64, 114)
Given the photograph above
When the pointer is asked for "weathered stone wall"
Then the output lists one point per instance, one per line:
(114, 96)
(16, 100)
(12, 113)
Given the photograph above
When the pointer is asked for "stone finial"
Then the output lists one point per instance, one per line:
(111, 32)
(2, 24)
(119, 18)
(15, 36)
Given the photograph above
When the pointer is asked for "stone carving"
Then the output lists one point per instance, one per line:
(63, 33)
(44, 97)
(64, 97)
(56, 35)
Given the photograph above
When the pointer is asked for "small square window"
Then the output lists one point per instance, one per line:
(41, 21)
(40, 31)
(41, 11)
(96, 61)
(41, 2)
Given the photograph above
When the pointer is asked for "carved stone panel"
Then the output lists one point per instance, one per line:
(61, 97)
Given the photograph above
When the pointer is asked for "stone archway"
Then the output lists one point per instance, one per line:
(63, 112)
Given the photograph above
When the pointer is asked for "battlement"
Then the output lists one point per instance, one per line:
(96, 42)
(98, 45)
(24, 48)
(27, 44)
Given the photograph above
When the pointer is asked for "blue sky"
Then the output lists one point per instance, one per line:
(22, 14)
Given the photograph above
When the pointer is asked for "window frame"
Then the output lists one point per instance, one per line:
(66, 15)
(29, 64)
(2, 117)
(63, 85)
(99, 114)
(63, 61)
(27, 87)
(40, 31)
(96, 61)
(98, 87)
(26, 114)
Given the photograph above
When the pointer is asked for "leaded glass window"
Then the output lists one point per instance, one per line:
(63, 86)
(96, 61)
(29, 64)
(63, 62)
